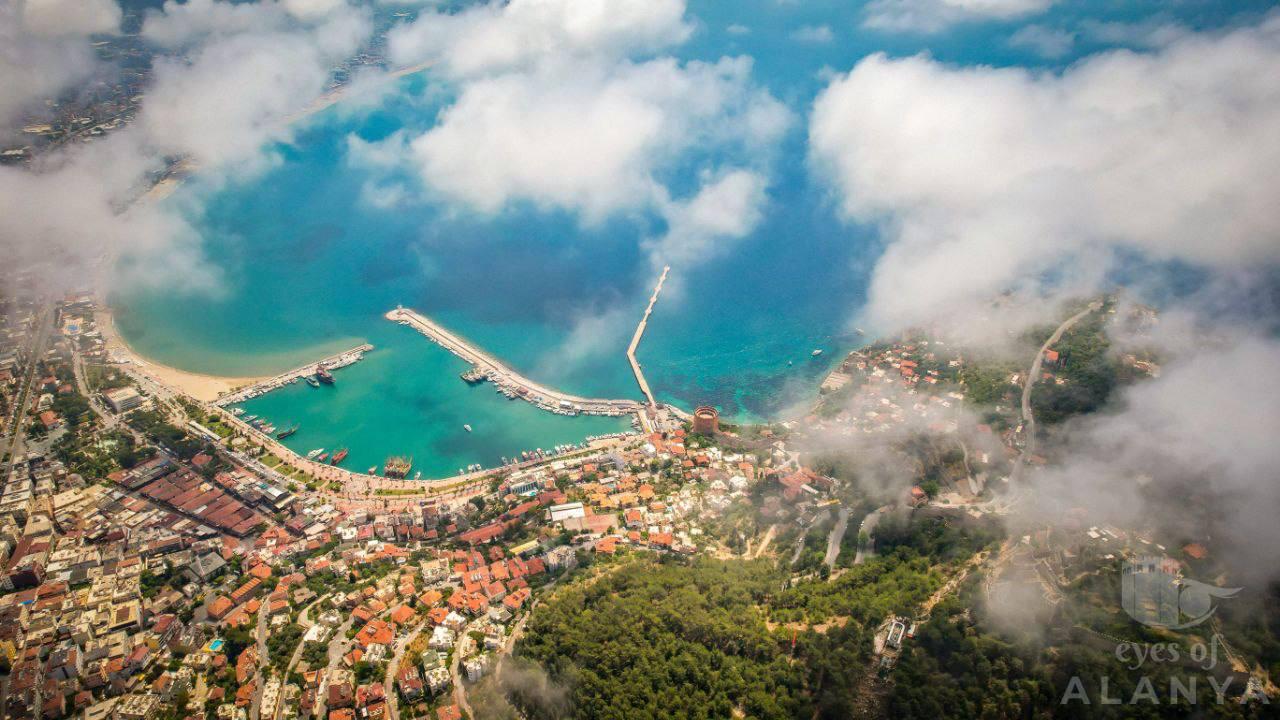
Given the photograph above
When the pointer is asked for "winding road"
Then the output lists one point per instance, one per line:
(867, 550)
(1028, 418)
(835, 538)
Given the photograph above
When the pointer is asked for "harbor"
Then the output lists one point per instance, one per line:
(508, 382)
(310, 372)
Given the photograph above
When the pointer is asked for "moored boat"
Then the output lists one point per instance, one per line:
(339, 456)
(312, 381)
(312, 455)
(397, 467)
(323, 375)
(286, 433)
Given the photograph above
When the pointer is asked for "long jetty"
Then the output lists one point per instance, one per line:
(509, 382)
(635, 339)
(333, 362)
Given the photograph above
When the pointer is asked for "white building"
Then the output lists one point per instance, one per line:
(557, 513)
(441, 638)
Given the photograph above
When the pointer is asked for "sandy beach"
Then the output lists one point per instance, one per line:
(199, 386)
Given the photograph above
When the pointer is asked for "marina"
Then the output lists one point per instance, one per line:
(314, 373)
(508, 382)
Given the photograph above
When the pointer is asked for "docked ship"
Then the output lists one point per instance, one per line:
(312, 381)
(473, 376)
(286, 433)
(339, 456)
(397, 467)
(323, 375)
(312, 455)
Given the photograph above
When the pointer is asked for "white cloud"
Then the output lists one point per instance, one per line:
(1044, 41)
(736, 29)
(1199, 431)
(931, 16)
(76, 18)
(178, 23)
(1155, 32)
(235, 90)
(814, 34)
(726, 208)
(238, 92)
(334, 26)
(73, 209)
(504, 36)
(594, 333)
(984, 178)
(590, 137)
(43, 49)
(312, 9)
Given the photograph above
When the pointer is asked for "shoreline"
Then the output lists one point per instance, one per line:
(202, 387)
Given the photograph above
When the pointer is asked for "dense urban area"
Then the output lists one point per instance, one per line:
(160, 561)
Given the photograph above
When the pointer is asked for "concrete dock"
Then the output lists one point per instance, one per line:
(635, 339)
(508, 381)
(333, 362)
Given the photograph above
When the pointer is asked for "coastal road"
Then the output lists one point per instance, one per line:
(1028, 418)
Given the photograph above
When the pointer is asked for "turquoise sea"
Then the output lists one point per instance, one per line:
(307, 269)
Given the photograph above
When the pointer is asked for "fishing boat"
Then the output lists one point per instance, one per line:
(322, 457)
(312, 381)
(467, 428)
(339, 456)
(286, 433)
(312, 455)
(250, 418)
